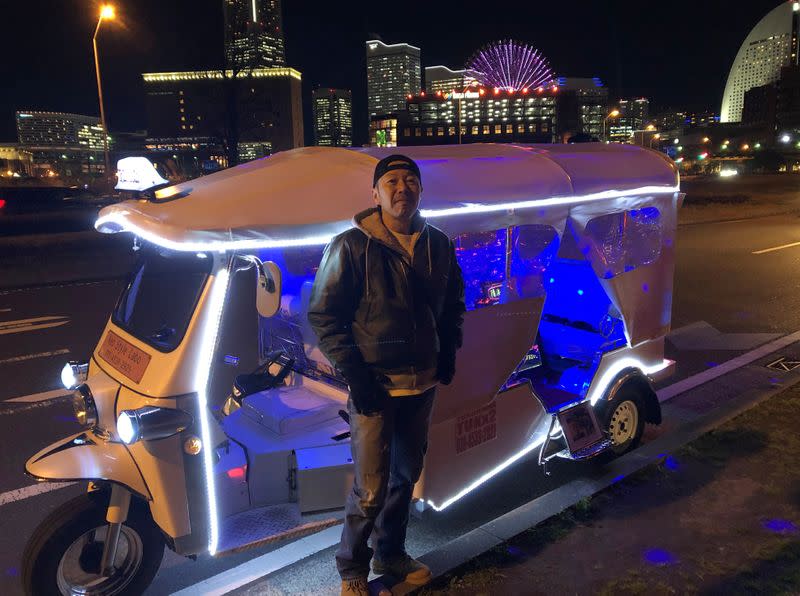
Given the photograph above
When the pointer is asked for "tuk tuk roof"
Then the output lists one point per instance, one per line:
(307, 195)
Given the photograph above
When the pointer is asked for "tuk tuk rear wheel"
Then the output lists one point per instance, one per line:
(623, 419)
(63, 555)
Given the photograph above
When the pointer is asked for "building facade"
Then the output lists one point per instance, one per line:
(581, 106)
(253, 34)
(383, 129)
(634, 114)
(771, 45)
(478, 116)
(188, 113)
(333, 117)
(393, 72)
(67, 145)
(441, 78)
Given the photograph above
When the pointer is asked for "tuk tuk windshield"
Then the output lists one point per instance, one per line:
(161, 295)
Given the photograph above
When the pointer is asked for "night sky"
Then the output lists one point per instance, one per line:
(676, 53)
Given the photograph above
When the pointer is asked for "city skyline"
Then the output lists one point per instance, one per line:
(681, 62)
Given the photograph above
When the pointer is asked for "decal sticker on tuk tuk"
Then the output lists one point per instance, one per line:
(124, 357)
(476, 428)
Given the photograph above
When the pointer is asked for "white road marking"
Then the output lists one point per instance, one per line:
(24, 325)
(774, 248)
(37, 397)
(26, 492)
(259, 567)
(726, 367)
(32, 356)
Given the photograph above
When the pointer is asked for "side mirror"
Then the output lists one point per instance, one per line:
(268, 289)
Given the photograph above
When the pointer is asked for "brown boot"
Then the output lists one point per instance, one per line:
(403, 568)
(355, 587)
(360, 587)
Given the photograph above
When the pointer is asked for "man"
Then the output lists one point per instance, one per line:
(388, 307)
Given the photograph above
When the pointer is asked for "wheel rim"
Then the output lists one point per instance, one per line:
(624, 422)
(74, 580)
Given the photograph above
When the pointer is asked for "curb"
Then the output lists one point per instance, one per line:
(493, 533)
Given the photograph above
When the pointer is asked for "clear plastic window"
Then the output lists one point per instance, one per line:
(620, 242)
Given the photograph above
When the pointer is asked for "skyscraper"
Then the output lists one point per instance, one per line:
(441, 78)
(253, 33)
(333, 117)
(393, 72)
(771, 45)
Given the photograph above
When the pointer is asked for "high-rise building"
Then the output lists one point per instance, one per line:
(634, 114)
(771, 45)
(485, 116)
(333, 117)
(187, 112)
(581, 106)
(441, 78)
(70, 145)
(393, 72)
(253, 34)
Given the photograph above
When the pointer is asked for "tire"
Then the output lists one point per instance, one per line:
(54, 562)
(623, 418)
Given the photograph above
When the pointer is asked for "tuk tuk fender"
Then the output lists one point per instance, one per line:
(642, 364)
(85, 457)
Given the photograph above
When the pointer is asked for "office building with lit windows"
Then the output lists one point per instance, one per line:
(771, 45)
(634, 114)
(581, 106)
(68, 145)
(333, 117)
(383, 129)
(441, 78)
(187, 112)
(253, 34)
(486, 116)
(393, 71)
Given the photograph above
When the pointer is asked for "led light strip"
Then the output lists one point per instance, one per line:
(209, 341)
(620, 365)
(604, 382)
(121, 220)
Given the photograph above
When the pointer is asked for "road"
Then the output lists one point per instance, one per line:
(727, 301)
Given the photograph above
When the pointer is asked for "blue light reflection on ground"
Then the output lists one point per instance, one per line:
(12, 572)
(514, 551)
(659, 557)
(671, 463)
(781, 526)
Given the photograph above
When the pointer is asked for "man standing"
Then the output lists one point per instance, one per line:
(388, 307)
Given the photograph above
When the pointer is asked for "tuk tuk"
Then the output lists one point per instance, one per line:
(567, 253)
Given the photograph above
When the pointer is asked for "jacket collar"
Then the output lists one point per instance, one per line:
(369, 221)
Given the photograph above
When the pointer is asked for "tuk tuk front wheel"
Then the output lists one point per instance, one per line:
(623, 419)
(63, 555)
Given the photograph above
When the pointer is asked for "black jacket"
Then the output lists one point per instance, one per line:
(377, 312)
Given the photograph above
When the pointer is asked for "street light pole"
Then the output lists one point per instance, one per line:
(106, 13)
(613, 114)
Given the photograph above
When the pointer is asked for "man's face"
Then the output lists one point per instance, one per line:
(397, 193)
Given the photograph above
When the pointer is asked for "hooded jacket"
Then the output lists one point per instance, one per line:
(387, 319)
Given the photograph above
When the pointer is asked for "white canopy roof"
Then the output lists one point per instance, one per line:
(307, 195)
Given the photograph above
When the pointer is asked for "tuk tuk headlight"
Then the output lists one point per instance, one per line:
(74, 374)
(84, 407)
(151, 423)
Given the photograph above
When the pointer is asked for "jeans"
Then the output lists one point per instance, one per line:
(388, 450)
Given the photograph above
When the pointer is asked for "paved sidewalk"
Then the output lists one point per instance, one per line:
(720, 515)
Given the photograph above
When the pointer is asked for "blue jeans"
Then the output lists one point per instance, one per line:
(388, 450)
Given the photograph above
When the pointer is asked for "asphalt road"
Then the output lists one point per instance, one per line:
(724, 296)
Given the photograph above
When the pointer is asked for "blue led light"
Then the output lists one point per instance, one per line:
(781, 526)
(552, 279)
(660, 557)
(580, 292)
(645, 288)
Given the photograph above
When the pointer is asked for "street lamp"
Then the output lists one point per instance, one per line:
(107, 13)
(460, 99)
(655, 137)
(613, 114)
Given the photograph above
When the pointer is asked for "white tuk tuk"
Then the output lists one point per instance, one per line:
(567, 253)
